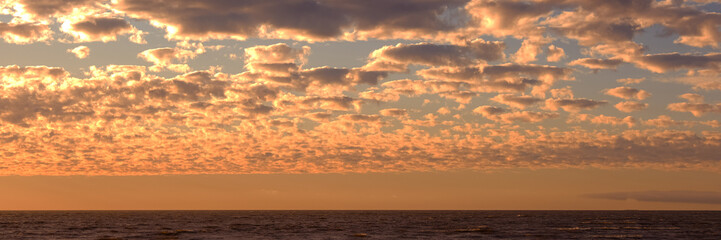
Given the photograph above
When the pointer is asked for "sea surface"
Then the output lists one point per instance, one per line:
(360, 224)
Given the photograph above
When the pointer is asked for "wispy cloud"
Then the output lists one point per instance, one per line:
(702, 197)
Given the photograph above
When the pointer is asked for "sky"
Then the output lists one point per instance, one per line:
(374, 104)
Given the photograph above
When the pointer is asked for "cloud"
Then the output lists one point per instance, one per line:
(502, 115)
(502, 81)
(42, 10)
(500, 78)
(520, 76)
(24, 33)
(333, 81)
(627, 93)
(620, 20)
(595, 64)
(360, 118)
(276, 53)
(699, 197)
(472, 52)
(697, 109)
(592, 29)
(666, 121)
(709, 85)
(466, 74)
(541, 72)
(394, 112)
(80, 51)
(443, 111)
(331, 103)
(320, 116)
(24, 96)
(629, 81)
(602, 119)
(103, 29)
(627, 51)
(14, 75)
(555, 54)
(573, 105)
(504, 18)
(665, 62)
(692, 97)
(529, 51)
(489, 110)
(281, 65)
(392, 90)
(695, 105)
(631, 106)
(321, 20)
(284, 112)
(121, 120)
(164, 58)
(565, 92)
(536, 22)
(516, 101)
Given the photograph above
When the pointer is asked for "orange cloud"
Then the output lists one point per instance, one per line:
(80, 51)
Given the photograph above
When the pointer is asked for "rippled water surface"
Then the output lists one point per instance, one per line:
(359, 224)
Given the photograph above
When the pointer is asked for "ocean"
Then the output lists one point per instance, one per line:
(360, 225)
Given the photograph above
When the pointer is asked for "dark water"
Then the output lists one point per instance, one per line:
(359, 224)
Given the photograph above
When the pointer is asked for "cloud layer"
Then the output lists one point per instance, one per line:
(458, 84)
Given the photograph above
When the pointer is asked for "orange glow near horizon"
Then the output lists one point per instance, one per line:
(503, 190)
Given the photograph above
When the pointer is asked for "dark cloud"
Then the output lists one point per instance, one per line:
(674, 61)
(102, 26)
(236, 18)
(304, 19)
(589, 22)
(99, 28)
(702, 197)
(595, 32)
